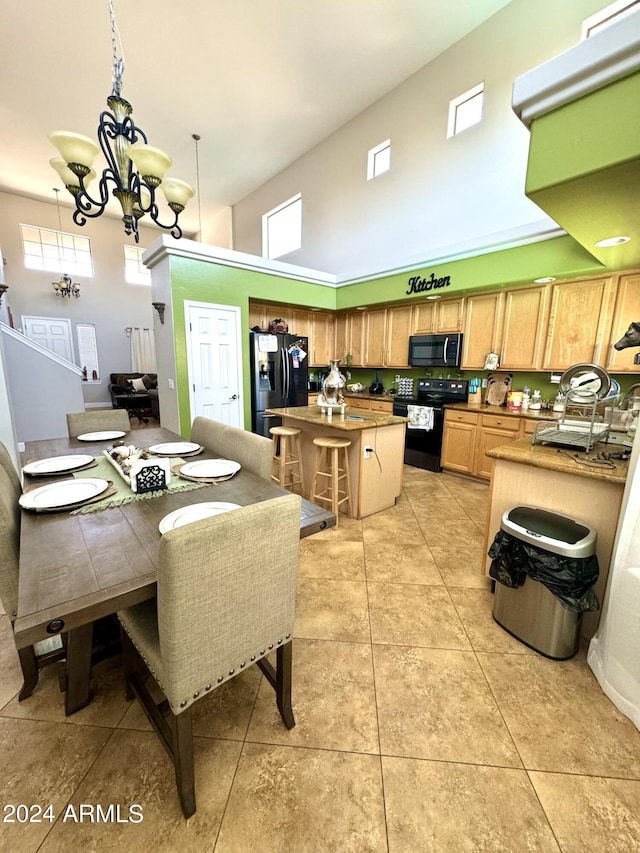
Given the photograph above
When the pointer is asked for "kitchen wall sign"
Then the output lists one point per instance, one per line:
(419, 285)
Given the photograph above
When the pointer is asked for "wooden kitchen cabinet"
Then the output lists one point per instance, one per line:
(492, 431)
(482, 328)
(438, 316)
(398, 329)
(579, 323)
(357, 337)
(300, 323)
(257, 315)
(459, 441)
(342, 337)
(385, 406)
(524, 329)
(627, 310)
(375, 326)
(321, 339)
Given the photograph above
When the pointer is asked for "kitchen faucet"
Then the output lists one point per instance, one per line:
(624, 404)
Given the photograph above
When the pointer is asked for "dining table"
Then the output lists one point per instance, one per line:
(79, 566)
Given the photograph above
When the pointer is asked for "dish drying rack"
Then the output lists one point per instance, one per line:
(580, 425)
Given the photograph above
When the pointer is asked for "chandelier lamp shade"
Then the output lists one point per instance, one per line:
(66, 287)
(134, 172)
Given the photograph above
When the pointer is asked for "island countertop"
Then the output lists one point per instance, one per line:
(353, 419)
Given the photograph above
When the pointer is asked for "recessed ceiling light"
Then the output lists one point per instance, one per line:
(612, 241)
(361, 307)
(316, 309)
(545, 280)
(432, 297)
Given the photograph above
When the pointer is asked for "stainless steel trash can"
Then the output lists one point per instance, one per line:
(531, 613)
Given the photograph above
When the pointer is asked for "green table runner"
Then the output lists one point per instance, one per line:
(105, 471)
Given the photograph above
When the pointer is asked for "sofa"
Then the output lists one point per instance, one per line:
(135, 392)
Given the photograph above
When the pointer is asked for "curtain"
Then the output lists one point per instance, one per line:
(143, 351)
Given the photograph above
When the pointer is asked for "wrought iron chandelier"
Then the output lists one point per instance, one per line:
(135, 168)
(66, 287)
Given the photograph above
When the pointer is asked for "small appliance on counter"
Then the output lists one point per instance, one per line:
(376, 386)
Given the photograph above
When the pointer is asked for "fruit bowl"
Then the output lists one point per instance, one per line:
(357, 386)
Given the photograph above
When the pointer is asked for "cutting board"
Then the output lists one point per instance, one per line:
(498, 386)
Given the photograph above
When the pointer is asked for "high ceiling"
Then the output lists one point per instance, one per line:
(262, 83)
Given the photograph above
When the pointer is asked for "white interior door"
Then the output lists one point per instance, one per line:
(214, 352)
(50, 332)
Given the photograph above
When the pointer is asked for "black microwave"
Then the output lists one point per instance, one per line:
(435, 350)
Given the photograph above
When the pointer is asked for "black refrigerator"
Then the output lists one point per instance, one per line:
(279, 374)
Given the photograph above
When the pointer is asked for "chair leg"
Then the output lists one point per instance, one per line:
(183, 761)
(283, 684)
(29, 666)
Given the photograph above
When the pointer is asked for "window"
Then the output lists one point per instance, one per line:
(135, 271)
(87, 350)
(465, 110)
(282, 228)
(607, 16)
(55, 251)
(379, 159)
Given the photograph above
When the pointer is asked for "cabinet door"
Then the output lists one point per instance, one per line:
(342, 337)
(398, 329)
(458, 447)
(482, 328)
(374, 337)
(357, 343)
(579, 319)
(300, 323)
(424, 318)
(449, 315)
(257, 315)
(322, 338)
(627, 311)
(487, 438)
(525, 325)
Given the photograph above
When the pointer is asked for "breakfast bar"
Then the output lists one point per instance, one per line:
(376, 454)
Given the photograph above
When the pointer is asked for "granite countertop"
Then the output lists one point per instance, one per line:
(505, 411)
(563, 459)
(313, 415)
(365, 395)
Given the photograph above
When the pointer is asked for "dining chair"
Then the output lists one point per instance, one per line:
(101, 419)
(225, 600)
(253, 452)
(10, 490)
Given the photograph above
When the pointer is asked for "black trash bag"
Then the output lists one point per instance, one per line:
(571, 580)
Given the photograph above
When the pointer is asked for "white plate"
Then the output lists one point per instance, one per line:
(106, 435)
(195, 512)
(57, 464)
(210, 468)
(63, 493)
(174, 448)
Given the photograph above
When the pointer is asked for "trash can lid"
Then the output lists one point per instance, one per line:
(550, 531)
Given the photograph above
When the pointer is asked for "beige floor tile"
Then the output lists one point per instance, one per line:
(106, 707)
(339, 559)
(401, 563)
(474, 608)
(306, 801)
(559, 717)
(42, 764)
(447, 509)
(349, 530)
(461, 532)
(464, 485)
(461, 566)
(590, 814)
(134, 769)
(399, 526)
(10, 673)
(459, 807)
(333, 700)
(332, 610)
(414, 615)
(435, 703)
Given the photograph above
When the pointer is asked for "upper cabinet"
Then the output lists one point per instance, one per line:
(579, 323)
(321, 339)
(627, 310)
(525, 325)
(398, 329)
(482, 328)
(375, 329)
(438, 316)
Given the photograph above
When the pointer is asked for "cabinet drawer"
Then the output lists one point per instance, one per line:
(454, 416)
(357, 403)
(501, 422)
(382, 406)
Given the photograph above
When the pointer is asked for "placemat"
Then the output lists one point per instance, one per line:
(123, 494)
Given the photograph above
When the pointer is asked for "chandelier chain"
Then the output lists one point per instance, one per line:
(118, 53)
(196, 139)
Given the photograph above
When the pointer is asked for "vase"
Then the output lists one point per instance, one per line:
(333, 385)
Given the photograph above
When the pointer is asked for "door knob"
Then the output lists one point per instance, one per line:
(233, 397)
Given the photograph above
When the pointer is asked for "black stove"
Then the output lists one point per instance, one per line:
(423, 443)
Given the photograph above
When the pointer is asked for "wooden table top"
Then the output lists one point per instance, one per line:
(77, 568)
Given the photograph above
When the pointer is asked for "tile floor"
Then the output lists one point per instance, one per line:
(421, 725)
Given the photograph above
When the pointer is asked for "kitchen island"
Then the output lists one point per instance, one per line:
(558, 479)
(376, 474)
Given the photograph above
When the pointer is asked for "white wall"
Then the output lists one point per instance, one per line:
(440, 193)
(106, 300)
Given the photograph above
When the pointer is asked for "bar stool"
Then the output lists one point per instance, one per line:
(328, 465)
(287, 460)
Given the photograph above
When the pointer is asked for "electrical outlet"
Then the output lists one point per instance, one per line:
(555, 378)
(171, 384)
(367, 452)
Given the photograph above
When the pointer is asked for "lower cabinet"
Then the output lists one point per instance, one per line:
(493, 431)
(468, 436)
(368, 405)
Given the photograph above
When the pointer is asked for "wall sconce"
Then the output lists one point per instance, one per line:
(160, 306)
(3, 290)
(66, 287)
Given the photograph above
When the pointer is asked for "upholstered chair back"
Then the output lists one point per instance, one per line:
(226, 595)
(253, 452)
(96, 421)
(10, 491)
